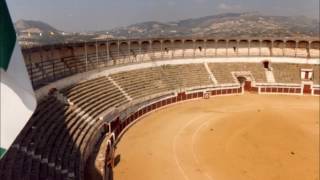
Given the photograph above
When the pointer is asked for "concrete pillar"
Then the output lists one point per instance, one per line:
(108, 53)
(150, 50)
(43, 74)
(31, 65)
(284, 48)
(86, 55)
(60, 59)
(260, 47)
(129, 50)
(171, 44)
(249, 46)
(161, 48)
(295, 49)
(237, 48)
(118, 58)
(271, 48)
(194, 48)
(205, 48)
(53, 62)
(97, 53)
(140, 49)
(227, 47)
(308, 49)
(215, 48)
(183, 48)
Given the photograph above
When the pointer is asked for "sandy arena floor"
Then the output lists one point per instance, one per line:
(250, 137)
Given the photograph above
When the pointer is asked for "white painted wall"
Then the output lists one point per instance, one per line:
(60, 84)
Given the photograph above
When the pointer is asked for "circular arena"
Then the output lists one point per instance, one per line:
(171, 109)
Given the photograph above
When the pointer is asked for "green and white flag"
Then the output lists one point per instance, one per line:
(17, 96)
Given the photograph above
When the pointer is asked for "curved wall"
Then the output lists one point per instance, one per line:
(50, 63)
(73, 79)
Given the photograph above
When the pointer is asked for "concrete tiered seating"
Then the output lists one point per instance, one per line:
(54, 141)
(167, 54)
(178, 53)
(254, 51)
(277, 51)
(315, 53)
(232, 52)
(290, 73)
(142, 82)
(243, 51)
(186, 76)
(199, 52)
(315, 49)
(302, 52)
(222, 71)
(211, 52)
(265, 51)
(189, 52)
(96, 96)
(222, 51)
(189, 47)
(291, 52)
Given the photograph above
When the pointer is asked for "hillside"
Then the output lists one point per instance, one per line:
(34, 27)
(226, 25)
(223, 25)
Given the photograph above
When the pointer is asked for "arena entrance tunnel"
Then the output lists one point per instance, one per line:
(245, 83)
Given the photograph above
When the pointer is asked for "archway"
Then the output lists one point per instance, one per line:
(266, 64)
(245, 83)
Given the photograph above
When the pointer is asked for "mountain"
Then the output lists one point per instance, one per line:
(225, 25)
(34, 27)
(228, 25)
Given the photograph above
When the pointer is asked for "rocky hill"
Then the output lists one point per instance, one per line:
(34, 27)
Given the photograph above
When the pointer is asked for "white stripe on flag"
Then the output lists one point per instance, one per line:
(17, 99)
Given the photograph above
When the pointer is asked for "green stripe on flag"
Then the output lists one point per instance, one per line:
(2, 152)
(7, 36)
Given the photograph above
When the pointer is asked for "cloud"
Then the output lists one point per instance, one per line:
(229, 7)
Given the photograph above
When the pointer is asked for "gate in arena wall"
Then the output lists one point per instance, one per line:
(247, 85)
(307, 89)
(246, 80)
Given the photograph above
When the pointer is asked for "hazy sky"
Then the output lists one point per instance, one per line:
(84, 15)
